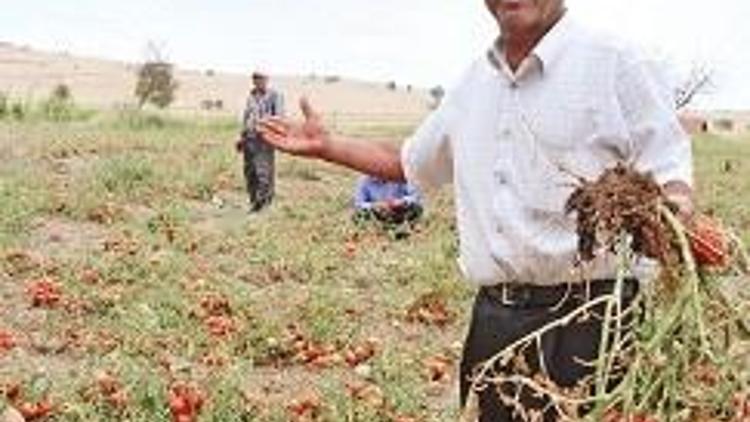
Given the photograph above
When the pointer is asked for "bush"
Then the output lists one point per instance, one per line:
(156, 84)
(62, 93)
(724, 124)
(332, 79)
(4, 107)
(19, 110)
(59, 106)
(209, 104)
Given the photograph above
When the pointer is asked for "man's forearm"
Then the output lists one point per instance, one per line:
(379, 159)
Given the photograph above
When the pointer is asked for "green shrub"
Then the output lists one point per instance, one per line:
(156, 84)
(4, 106)
(62, 92)
(59, 106)
(19, 110)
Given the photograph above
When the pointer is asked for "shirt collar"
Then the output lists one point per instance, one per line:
(545, 53)
(553, 44)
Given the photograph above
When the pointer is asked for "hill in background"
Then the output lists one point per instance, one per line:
(30, 74)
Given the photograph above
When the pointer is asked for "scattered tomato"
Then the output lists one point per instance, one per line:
(438, 368)
(185, 402)
(708, 241)
(44, 293)
(350, 249)
(90, 276)
(430, 309)
(215, 305)
(367, 393)
(308, 406)
(35, 411)
(220, 326)
(7, 341)
(361, 353)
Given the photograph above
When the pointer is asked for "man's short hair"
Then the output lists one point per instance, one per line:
(259, 75)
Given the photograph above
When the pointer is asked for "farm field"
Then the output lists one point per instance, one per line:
(131, 276)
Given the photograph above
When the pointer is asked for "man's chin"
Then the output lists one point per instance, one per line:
(515, 26)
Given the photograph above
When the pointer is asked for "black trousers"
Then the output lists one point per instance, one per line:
(495, 325)
(259, 172)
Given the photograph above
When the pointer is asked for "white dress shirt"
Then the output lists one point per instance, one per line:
(512, 144)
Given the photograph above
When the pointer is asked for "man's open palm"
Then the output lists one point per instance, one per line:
(308, 138)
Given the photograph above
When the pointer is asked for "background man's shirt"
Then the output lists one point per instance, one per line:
(513, 144)
(371, 190)
(258, 106)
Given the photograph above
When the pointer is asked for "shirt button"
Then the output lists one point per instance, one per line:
(501, 178)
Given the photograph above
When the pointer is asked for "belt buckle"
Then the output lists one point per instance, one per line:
(504, 299)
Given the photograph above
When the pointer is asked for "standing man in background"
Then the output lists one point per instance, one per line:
(259, 155)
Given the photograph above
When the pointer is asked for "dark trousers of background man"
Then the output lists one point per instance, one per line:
(502, 316)
(259, 173)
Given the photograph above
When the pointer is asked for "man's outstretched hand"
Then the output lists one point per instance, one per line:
(308, 138)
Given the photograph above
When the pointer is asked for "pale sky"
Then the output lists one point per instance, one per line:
(419, 42)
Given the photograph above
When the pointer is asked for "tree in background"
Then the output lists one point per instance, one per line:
(62, 92)
(156, 83)
(59, 106)
(698, 81)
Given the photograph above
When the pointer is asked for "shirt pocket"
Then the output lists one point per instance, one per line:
(546, 166)
(566, 127)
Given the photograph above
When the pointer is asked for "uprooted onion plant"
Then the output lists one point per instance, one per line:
(678, 352)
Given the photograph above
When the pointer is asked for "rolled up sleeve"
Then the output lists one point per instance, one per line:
(657, 141)
(427, 156)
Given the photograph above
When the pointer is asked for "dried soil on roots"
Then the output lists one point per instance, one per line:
(621, 200)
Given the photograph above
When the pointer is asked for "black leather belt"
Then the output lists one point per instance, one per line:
(530, 295)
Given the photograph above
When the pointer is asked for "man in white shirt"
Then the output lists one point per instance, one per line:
(549, 100)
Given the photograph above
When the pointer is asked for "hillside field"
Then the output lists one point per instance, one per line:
(129, 269)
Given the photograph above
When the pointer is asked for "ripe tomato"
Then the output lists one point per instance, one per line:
(708, 241)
